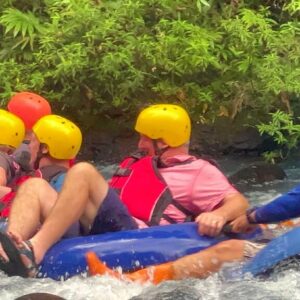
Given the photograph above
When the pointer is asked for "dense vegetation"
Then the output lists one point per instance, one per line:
(110, 57)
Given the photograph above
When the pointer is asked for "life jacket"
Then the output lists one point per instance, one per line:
(144, 191)
(52, 174)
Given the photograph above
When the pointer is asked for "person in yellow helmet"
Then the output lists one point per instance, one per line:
(192, 188)
(54, 141)
(12, 133)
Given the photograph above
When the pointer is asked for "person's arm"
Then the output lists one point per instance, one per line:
(3, 178)
(282, 208)
(211, 223)
(218, 202)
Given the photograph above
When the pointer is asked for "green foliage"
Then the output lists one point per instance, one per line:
(22, 26)
(284, 132)
(293, 7)
(110, 57)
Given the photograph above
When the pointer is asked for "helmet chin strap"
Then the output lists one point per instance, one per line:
(159, 152)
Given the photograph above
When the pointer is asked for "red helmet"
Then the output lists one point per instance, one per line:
(29, 107)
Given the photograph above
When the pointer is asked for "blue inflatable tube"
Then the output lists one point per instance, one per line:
(279, 249)
(128, 249)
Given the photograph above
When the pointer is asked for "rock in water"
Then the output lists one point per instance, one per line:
(40, 296)
(258, 173)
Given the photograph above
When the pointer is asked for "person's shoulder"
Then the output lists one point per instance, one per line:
(209, 166)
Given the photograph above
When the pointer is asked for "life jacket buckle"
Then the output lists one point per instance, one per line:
(122, 172)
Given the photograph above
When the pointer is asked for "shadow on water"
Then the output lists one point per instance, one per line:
(182, 290)
(198, 290)
(243, 290)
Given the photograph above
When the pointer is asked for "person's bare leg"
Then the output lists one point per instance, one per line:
(199, 265)
(202, 264)
(31, 206)
(83, 191)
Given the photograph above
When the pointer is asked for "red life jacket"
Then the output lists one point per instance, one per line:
(5, 201)
(143, 190)
(48, 173)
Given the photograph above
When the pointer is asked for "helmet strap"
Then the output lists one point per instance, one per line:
(39, 156)
(159, 152)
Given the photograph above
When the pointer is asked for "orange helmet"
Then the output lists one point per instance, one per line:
(29, 107)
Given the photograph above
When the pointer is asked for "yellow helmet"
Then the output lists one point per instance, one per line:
(62, 136)
(12, 129)
(168, 122)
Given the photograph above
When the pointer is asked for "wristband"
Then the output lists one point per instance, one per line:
(249, 216)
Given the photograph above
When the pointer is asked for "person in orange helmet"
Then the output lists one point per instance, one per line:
(29, 107)
(24, 110)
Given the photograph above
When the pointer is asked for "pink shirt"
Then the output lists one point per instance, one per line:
(198, 186)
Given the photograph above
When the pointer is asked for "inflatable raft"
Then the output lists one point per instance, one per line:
(280, 249)
(139, 248)
(128, 249)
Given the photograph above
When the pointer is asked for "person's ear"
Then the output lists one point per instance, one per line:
(10, 150)
(162, 145)
(44, 149)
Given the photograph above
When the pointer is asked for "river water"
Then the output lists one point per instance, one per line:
(280, 285)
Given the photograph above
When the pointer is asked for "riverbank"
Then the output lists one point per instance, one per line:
(108, 144)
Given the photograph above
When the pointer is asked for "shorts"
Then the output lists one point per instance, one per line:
(112, 215)
(252, 248)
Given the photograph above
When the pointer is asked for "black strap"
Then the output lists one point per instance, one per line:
(189, 215)
(122, 172)
(169, 219)
(161, 164)
(182, 208)
(125, 171)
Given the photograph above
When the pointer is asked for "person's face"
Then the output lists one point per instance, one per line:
(146, 145)
(33, 147)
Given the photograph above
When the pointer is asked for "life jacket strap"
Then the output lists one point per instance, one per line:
(126, 171)
(122, 172)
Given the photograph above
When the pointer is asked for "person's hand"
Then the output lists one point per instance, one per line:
(241, 224)
(210, 223)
